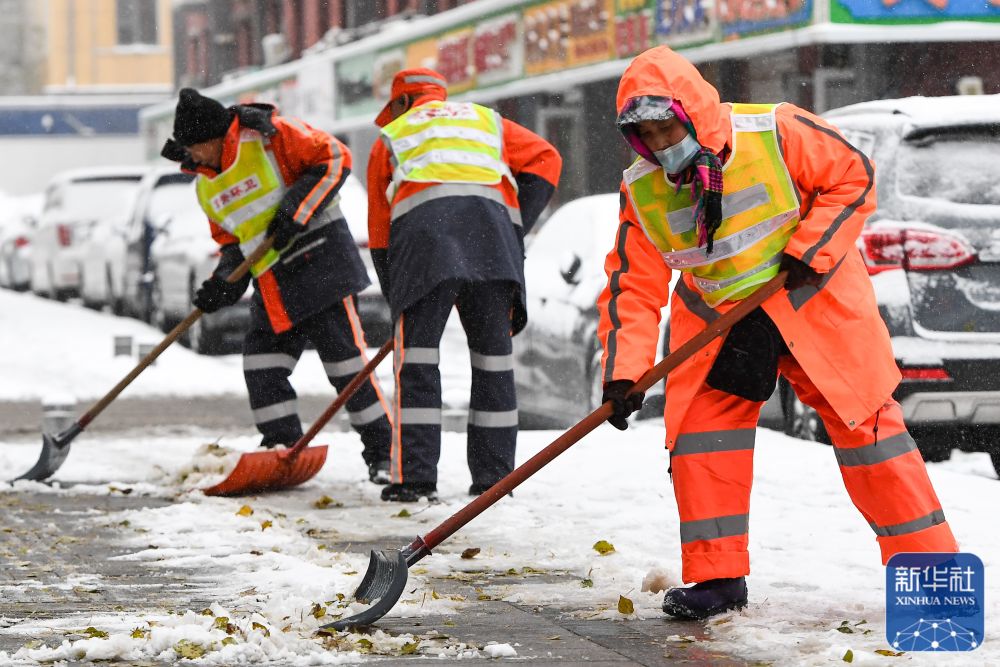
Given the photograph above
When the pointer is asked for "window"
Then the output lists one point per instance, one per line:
(136, 22)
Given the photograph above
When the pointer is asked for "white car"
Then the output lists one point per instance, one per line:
(76, 203)
(17, 226)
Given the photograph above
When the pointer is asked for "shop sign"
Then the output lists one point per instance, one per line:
(685, 21)
(454, 59)
(633, 26)
(570, 33)
(423, 53)
(739, 18)
(497, 50)
(913, 11)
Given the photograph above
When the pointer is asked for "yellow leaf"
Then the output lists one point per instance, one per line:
(410, 648)
(471, 552)
(326, 502)
(434, 595)
(246, 510)
(587, 583)
(93, 632)
(364, 644)
(227, 641)
(139, 633)
(318, 610)
(261, 628)
(603, 547)
(403, 513)
(553, 638)
(264, 525)
(849, 656)
(483, 596)
(625, 605)
(188, 649)
(887, 652)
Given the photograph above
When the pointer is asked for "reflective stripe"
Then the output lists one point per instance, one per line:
(285, 259)
(614, 286)
(449, 156)
(728, 246)
(373, 412)
(713, 529)
(424, 78)
(710, 442)
(254, 208)
(695, 303)
(417, 416)
(263, 362)
(276, 411)
(935, 518)
(446, 132)
(493, 419)
(494, 363)
(454, 190)
(880, 452)
(336, 369)
(733, 204)
(708, 286)
(421, 355)
(754, 122)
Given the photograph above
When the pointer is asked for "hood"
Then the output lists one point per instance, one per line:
(660, 72)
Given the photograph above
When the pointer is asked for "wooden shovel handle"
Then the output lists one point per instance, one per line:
(174, 334)
(600, 415)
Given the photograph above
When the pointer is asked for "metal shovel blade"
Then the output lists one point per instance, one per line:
(270, 471)
(383, 583)
(55, 449)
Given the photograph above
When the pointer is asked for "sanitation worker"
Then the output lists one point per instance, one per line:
(259, 175)
(452, 187)
(728, 194)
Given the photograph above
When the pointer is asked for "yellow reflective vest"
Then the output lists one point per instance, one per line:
(760, 210)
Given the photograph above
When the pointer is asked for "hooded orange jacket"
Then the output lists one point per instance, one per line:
(834, 332)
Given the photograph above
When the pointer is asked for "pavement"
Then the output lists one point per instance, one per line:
(50, 559)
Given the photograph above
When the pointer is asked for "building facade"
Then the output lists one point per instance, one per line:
(22, 47)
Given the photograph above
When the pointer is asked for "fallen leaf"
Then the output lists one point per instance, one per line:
(471, 552)
(603, 547)
(587, 583)
(139, 633)
(228, 641)
(255, 552)
(248, 591)
(553, 637)
(364, 644)
(261, 628)
(93, 633)
(264, 525)
(410, 648)
(849, 656)
(188, 649)
(625, 606)
(403, 513)
(318, 610)
(246, 510)
(887, 652)
(327, 502)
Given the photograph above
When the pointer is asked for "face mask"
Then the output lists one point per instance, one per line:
(675, 158)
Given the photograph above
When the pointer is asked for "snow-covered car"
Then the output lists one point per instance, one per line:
(164, 194)
(17, 226)
(933, 252)
(182, 255)
(372, 306)
(77, 203)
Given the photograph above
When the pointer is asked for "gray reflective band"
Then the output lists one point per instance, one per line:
(336, 369)
(495, 363)
(682, 220)
(714, 441)
(263, 362)
(935, 518)
(713, 529)
(285, 259)
(445, 132)
(421, 355)
(416, 416)
(493, 419)
(423, 78)
(694, 302)
(708, 286)
(254, 208)
(728, 246)
(451, 156)
(454, 190)
(882, 451)
(276, 411)
(373, 412)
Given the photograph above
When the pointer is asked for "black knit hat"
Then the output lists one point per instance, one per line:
(199, 118)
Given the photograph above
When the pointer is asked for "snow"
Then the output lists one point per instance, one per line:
(275, 574)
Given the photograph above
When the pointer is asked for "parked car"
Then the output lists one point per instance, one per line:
(19, 218)
(933, 252)
(183, 255)
(165, 193)
(373, 309)
(75, 203)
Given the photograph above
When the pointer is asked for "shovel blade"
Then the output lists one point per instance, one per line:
(54, 452)
(270, 471)
(382, 585)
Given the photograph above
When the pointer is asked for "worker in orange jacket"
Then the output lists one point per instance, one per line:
(728, 194)
(261, 174)
(452, 189)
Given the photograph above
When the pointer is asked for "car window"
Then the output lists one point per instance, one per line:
(93, 199)
(173, 200)
(584, 229)
(863, 140)
(957, 168)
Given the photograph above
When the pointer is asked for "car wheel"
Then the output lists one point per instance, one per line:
(801, 421)
(995, 457)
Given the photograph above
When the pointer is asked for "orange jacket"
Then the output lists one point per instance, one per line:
(835, 332)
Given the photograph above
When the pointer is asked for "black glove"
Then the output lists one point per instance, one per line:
(283, 228)
(622, 405)
(799, 273)
(216, 293)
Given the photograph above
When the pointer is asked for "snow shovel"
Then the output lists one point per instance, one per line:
(55, 449)
(273, 470)
(385, 579)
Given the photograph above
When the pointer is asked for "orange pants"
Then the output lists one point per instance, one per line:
(712, 465)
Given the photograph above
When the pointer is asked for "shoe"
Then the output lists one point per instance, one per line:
(410, 492)
(274, 442)
(480, 489)
(706, 599)
(378, 473)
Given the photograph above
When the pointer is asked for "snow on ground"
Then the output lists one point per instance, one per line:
(815, 561)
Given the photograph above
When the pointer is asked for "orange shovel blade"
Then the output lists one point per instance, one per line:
(270, 471)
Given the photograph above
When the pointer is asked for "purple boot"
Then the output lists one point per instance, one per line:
(706, 599)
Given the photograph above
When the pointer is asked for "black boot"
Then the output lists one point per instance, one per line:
(378, 472)
(478, 489)
(706, 599)
(410, 492)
